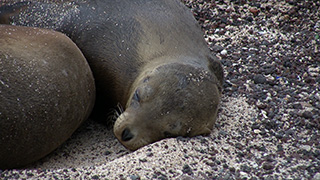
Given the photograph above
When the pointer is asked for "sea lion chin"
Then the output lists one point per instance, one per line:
(160, 107)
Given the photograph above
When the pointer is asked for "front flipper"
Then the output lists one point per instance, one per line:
(216, 68)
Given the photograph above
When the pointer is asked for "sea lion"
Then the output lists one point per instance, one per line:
(46, 91)
(147, 55)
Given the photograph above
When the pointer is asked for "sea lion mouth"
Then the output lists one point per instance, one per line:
(168, 135)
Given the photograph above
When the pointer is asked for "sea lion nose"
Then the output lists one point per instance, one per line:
(126, 135)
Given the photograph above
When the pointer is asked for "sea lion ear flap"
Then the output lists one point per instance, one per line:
(216, 68)
(7, 11)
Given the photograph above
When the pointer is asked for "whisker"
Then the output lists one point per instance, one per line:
(114, 113)
(120, 108)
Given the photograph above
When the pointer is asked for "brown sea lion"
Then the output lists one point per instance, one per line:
(147, 55)
(46, 91)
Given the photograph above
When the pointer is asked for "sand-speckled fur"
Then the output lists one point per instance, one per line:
(46, 91)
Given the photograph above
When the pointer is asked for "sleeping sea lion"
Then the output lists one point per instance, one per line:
(46, 91)
(149, 56)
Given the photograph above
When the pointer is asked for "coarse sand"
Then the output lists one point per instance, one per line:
(93, 152)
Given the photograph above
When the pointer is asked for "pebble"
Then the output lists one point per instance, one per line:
(134, 177)
(217, 48)
(305, 147)
(316, 176)
(307, 114)
(187, 169)
(259, 79)
(254, 11)
(143, 160)
(95, 177)
(255, 126)
(107, 153)
(267, 166)
(279, 148)
(256, 131)
(314, 71)
(245, 168)
(297, 106)
(223, 133)
(149, 154)
(243, 174)
(224, 52)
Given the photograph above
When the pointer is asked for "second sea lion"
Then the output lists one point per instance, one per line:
(46, 91)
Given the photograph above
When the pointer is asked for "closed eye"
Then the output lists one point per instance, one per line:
(136, 96)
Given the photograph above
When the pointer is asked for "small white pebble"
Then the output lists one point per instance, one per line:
(306, 147)
(243, 174)
(224, 52)
(256, 131)
(316, 176)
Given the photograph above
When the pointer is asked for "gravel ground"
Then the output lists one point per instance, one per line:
(269, 120)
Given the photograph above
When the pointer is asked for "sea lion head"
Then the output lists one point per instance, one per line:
(168, 101)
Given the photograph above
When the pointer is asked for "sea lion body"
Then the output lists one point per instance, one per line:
(46, 91)
(147, 55)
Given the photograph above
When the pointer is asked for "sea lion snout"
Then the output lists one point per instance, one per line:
(127, 132)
